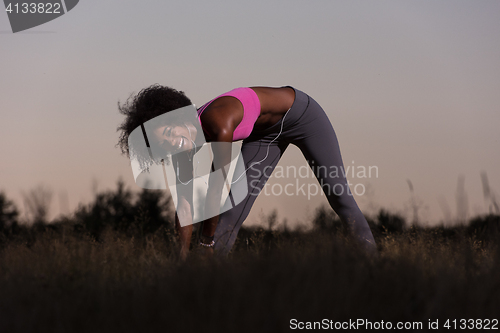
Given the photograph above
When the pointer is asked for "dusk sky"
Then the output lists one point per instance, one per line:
(411, 88)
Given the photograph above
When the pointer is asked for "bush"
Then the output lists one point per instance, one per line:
(121, 211)
(485, 228)
(390, 222)
(327, 220)
(8, 214)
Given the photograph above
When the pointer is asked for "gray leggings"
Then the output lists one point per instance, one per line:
(307, 126)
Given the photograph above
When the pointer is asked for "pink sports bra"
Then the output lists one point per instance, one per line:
(251, 111)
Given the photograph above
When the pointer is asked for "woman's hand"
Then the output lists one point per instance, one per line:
(207, 252)
(206, 244)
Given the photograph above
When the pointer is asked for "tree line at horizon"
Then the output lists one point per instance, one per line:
(147, 211)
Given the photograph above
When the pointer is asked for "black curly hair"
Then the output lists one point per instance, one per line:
(147, 104)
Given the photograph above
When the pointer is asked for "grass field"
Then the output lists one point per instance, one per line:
(112, 266)
(53, 279)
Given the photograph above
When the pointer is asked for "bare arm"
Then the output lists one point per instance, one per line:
(184, 173)
(217, 182)
(220, 120)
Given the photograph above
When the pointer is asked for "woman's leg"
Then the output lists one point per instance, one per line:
(259, 170)
(318, 142)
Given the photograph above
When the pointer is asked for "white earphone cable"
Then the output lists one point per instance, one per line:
(244, 172)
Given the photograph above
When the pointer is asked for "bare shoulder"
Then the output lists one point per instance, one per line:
(275, 99)
(222, 116)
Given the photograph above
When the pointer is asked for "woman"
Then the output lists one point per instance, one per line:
(267, 120)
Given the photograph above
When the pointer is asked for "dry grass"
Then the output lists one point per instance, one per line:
(61, 281)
